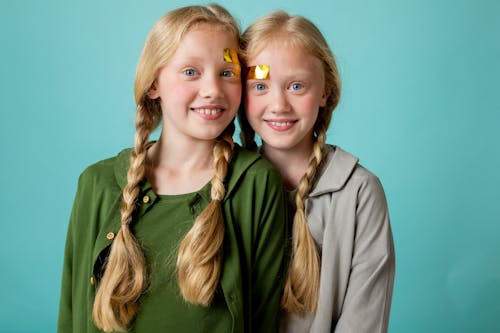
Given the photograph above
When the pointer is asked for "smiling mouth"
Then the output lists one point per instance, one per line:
(207, 112)
(281, 123)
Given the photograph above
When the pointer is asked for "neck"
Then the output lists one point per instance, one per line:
(181, 155)
(291, 163)
(179, 167)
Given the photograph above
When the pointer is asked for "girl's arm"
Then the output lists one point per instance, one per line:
(65, 321)
(78, 282)
(368, 299)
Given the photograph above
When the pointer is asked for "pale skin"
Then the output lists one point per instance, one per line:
(291, 165)
(283, 108)
(179, 169)
(199, 94)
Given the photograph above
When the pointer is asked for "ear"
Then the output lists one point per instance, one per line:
(153, 92)
(324, 96)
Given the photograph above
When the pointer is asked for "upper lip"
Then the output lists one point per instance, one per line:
(280, 120)
(209, 107)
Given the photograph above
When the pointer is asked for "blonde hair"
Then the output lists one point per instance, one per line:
(302, 285)
(200, 252)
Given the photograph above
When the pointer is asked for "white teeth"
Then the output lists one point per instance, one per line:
(208, 112)
(281, 124)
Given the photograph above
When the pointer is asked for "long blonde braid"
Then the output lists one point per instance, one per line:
(199, 262)
(302, 284)
(124, 277)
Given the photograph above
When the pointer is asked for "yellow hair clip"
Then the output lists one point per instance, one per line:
(259, 72)
(230, 55)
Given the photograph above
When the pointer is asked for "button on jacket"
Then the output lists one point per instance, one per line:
(348, 218)
(251, 282)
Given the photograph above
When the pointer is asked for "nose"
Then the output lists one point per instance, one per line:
(211, 86)
(280, 102)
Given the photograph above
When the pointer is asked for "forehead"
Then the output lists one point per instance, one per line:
(204, 35)
(286, 59)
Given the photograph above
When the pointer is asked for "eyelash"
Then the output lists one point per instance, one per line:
(295, 86)
(231, 73)
(262, 85)
(300, 86)
(190, 72)
(194, 72)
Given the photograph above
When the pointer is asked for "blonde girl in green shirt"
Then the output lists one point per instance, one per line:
(184, 234)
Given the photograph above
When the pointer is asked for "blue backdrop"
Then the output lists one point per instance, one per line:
(420, 107)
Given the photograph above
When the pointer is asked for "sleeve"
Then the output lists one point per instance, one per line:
(269, 255)
(65, 321)
(368, 299)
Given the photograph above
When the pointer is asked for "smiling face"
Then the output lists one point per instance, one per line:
(199, 90)
(283, 108)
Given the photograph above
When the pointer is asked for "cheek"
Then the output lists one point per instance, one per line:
(310, 105)
(173, 90)
(308, 109)
(252, 106)
(234, 93)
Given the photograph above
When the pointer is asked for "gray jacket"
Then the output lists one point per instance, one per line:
(348, 218)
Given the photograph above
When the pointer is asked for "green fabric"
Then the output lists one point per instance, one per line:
(254, 249)
(160, 231)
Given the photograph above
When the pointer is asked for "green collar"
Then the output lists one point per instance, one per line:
(241, 160)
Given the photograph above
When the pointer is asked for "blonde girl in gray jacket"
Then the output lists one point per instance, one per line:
(341, 271)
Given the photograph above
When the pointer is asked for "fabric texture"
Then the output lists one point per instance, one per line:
(252, 278)
(349, 220)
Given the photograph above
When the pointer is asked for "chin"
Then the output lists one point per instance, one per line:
(210, 136)
(279, 145)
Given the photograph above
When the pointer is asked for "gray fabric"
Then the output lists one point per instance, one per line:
(348, 218)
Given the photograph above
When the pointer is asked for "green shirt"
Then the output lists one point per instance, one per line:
(251, 283)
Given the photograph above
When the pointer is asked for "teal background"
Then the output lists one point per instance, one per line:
(420, 107)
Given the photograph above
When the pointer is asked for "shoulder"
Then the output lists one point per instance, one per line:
(251, 169)
(246, 159)
(246, 162)
(98, 171)
(107, 172)
(98, 197)
(341, 170)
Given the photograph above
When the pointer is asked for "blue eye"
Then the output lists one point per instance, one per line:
(228, 74)
(189, 72)
(296, 86)
(260, 86)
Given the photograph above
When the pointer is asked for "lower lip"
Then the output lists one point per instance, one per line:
(215, 116)
(281, 128)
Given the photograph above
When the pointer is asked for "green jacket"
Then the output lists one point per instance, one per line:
(254, 250)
